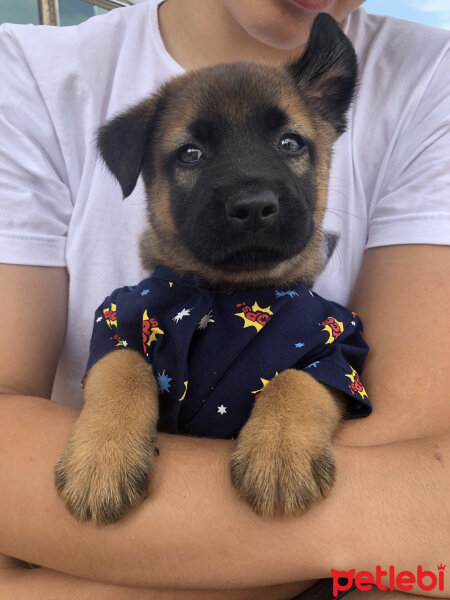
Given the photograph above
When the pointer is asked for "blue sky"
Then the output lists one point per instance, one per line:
(430, 12)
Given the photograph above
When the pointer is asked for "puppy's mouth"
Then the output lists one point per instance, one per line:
(247, 259)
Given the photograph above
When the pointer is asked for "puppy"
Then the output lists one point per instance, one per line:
(225, 339)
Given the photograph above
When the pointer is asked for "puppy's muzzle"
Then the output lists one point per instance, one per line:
(253, 212)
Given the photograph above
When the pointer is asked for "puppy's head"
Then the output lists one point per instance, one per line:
(235, 160)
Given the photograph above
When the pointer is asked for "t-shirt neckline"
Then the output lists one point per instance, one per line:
(168, 59)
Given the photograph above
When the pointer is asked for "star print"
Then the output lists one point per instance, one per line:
(314, 364)
(299, 345)
(145, 292)
(264, 383)
(353, 323)
(164, 381)
(205, 321)
(183, 313)
(222, 409)
(289, 293)
(120, 343)
(99, 319)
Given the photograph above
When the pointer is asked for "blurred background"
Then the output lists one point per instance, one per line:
(61, 12)
(72, 12)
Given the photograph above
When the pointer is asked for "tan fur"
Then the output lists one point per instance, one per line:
(106, 466)
(283, 458)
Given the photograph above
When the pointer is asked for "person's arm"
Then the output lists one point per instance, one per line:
(403, 297)
(194, 532)
(20, 583)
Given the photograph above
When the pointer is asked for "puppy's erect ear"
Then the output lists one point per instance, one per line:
(327, 71)
(122, 142)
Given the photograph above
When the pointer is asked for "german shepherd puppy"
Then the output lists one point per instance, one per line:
(235, 160)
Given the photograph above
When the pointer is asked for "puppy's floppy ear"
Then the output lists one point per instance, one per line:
(123, 141)
(327, 71)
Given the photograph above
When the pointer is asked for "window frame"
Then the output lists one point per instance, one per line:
(49, 9)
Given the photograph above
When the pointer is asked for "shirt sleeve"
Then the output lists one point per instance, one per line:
(340, 359)
(117, 325)
(35, 201)
(412, 204)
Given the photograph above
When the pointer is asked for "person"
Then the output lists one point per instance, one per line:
(67, 239)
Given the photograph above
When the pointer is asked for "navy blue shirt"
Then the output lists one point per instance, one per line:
(213, 353)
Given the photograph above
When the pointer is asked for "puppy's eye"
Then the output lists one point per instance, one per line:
(291, 143)
(190, 154)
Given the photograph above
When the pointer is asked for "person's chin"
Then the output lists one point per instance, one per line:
(312, 5)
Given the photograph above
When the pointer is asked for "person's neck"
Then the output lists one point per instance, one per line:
(200, 33)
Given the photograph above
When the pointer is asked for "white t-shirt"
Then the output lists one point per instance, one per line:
(390, 180)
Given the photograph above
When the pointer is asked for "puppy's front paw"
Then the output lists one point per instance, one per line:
(99, 479)
(280, 471)
(283, 458)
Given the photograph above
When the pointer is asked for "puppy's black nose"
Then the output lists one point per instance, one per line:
(252, 212)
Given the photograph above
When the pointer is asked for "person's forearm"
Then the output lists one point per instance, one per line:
(194, 532)
(18, 582)
(40, 584)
